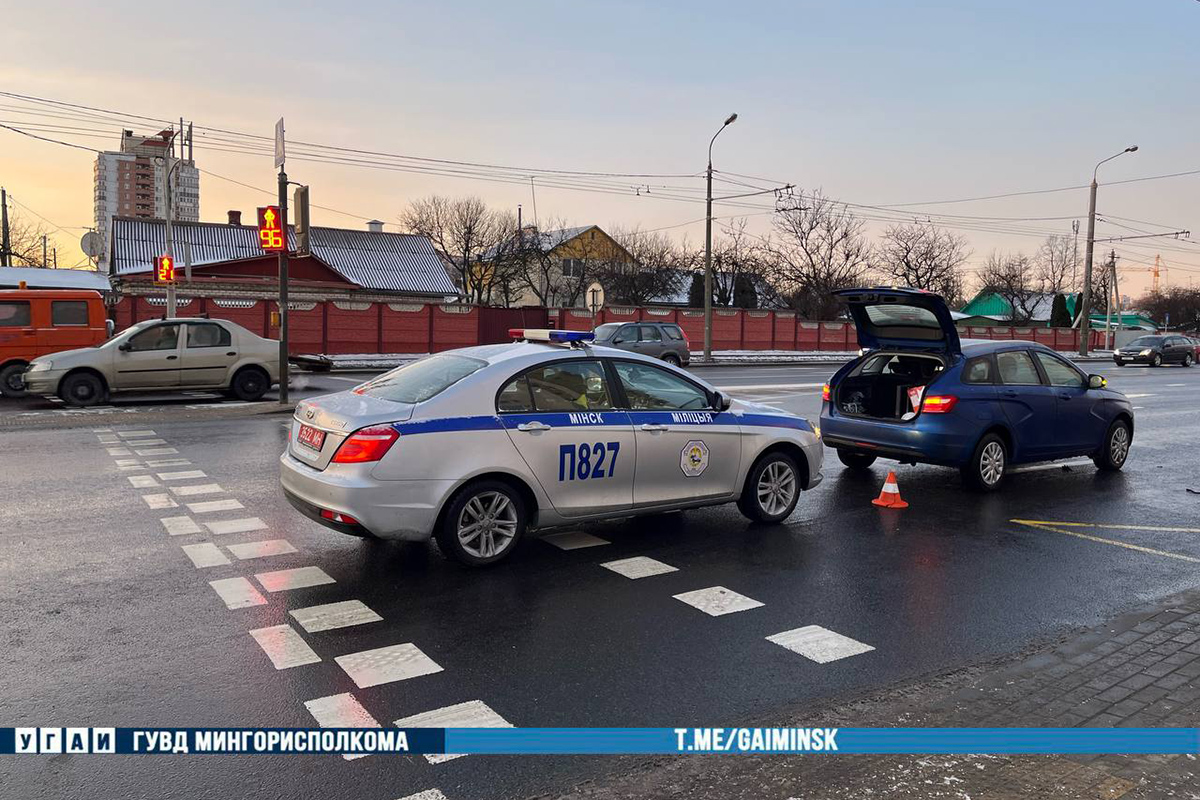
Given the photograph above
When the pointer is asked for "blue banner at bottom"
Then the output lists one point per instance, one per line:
(595, 741)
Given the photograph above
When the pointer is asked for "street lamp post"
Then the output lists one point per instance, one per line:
(1085, 305)
(708, 274)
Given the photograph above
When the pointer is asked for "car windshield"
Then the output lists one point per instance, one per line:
(607, 331)
(421, 380)
(1146, 341)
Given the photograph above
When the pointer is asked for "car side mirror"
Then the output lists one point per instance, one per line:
(722, 401)
(124, 347)
(1097, 382)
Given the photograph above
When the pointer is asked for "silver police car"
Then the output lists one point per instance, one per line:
(476, 446)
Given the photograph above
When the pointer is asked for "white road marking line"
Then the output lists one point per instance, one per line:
(102, 430)
(108, 438)
(135, 434)
(142, 482)
(159, 501)
(717, 600)
(574, 540)
(783, 387)
(1127, 545)
(1176, 384)
(199, 488)
(145, 442)
(1086, 462)
(284, 646)
(284, 580)
(131, 468)
(471, 714)
(1138, 408)
(186, 474)
(238, 593)
(428, 794)
(156, 451)
(819, 644)
(1133, 396)
(168, 462)
(639, 567)
(341, 711)
(329, 616)
(180, 526)
(119, 451)
(270, 547)
(244, 525)
(398, 662)
(128, 462)
(209, 506)
(205, 554)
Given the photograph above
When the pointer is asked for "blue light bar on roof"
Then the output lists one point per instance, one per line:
(550, 335)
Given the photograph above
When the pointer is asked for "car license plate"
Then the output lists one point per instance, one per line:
(311, 437)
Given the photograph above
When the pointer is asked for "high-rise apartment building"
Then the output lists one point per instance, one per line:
(130, 182)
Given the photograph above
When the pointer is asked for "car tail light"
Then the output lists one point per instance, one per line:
(334, 516)
(366, 444)
(825, 392)
(938, 403)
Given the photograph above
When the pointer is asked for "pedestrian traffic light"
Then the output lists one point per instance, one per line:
(270, 229)
(164, 269)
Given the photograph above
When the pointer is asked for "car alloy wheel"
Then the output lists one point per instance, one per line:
(1118, 445)
(776, 488)
(1187, 359)
(991, 463)
(1156, 360)
(487, 525)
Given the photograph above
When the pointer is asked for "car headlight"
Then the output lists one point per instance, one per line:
(1147, 351)
(1117, 352)
(40, 366)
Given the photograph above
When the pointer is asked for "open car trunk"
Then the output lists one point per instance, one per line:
(887, 386)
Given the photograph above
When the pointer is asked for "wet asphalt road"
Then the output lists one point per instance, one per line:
(108, 623)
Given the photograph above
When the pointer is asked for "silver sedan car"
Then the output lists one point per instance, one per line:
(476, 446)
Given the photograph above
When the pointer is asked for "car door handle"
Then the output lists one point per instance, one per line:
(1064, 395)
(172, 358)
(530, 427)
(646, 426)
(231, 353)
(1009, 393)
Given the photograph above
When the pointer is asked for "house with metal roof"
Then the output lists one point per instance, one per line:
(42, 278)
(342, 259)
(568, 260)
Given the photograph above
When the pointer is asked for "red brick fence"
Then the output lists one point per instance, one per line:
(340, 326)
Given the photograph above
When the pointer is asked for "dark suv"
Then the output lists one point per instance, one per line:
(664, 340)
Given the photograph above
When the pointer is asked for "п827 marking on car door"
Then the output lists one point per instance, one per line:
(575, 460)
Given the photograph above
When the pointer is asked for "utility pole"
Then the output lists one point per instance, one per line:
(1075, 254)
(5, 254)
(170, 243)
(283, 265)
(1086, 306)
(1108, 305)
(44, 264)
(708, 273)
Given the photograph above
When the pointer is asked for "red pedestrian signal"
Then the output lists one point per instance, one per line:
(164, 269)
(270, 229)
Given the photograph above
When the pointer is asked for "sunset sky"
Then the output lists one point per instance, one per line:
(874, 102)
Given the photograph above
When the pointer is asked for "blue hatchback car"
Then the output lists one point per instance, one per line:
(920, 394)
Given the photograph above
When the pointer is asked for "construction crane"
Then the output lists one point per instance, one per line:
(1158, 271)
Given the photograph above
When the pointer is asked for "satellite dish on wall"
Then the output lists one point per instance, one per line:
(92, 244)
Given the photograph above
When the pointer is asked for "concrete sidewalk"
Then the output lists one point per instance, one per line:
(1140, 670)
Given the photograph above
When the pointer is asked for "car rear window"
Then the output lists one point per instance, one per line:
(673, 332)
(421, 380)
(978, 370)
(14, 314)
(1146, 341)
(901, 321)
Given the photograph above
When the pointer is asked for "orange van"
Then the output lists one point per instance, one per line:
(37, 322)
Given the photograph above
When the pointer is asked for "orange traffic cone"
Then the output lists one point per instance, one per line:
(890, 496)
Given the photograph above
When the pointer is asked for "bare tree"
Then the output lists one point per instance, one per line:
(818, 247)
(464, 230)
(25, 240)
(1055, 261)
(657, 270)
(923, 256)
(1014, 277)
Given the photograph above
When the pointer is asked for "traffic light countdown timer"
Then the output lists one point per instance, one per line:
(270, 232)
(164, 270)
